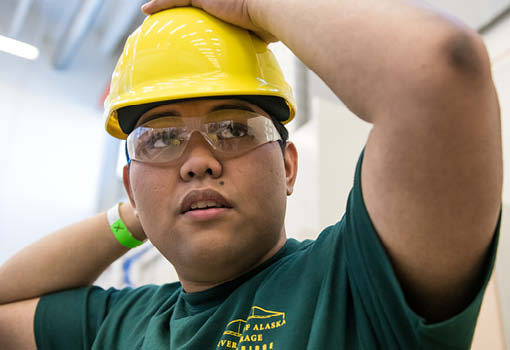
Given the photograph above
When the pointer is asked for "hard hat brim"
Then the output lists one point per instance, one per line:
(275, 106)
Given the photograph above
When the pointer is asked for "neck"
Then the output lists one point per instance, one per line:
(192, 286)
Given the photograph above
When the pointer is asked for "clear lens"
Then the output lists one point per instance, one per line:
(229, 131)
(156, 145)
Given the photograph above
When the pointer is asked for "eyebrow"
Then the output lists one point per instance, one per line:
(174, 113)
(170, 113)
(231, 106)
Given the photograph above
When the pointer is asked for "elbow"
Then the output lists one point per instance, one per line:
(454, 70)
(464, 54)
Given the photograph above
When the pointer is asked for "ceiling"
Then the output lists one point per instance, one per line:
(62, 28)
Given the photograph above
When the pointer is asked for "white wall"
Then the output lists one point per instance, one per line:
(474, 13)
(52, 143)
(302, 218)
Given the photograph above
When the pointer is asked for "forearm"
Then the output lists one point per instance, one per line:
(371, 53)
(69, 258)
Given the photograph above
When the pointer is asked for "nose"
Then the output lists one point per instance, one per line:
(199, 160)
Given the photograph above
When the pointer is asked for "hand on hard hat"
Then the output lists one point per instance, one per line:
(232, 11)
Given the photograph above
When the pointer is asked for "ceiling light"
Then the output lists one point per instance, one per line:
(18, 48)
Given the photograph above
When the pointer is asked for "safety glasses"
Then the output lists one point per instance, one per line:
(232, 132)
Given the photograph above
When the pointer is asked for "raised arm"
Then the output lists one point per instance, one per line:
(69, 258)
(432, 172)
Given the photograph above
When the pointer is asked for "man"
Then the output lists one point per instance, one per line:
(406, 266)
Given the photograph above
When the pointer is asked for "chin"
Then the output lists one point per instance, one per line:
(217, 248)
(212, 255)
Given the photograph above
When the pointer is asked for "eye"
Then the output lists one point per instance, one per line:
(161, 138)
(162, 143)
(229, 130)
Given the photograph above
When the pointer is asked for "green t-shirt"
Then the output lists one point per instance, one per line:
(337, 292)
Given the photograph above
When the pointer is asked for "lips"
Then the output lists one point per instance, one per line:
(202, 200)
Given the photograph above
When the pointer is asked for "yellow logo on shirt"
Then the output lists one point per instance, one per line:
(254, 333)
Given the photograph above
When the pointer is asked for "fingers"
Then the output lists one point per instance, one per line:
(154, 6)
(147, 8)
(231, 11)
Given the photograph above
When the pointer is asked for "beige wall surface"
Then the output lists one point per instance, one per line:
(489, 334)
(502, 272)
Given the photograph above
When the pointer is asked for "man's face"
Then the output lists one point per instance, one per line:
(210, 246)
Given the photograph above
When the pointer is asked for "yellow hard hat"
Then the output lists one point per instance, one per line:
(185, 53)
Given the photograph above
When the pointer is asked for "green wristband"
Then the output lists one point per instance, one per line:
(120, 231)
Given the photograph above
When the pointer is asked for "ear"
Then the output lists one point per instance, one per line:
(291, 166)
(127, 186)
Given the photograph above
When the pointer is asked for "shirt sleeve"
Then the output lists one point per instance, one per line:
(376, 286)
(72, 318)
